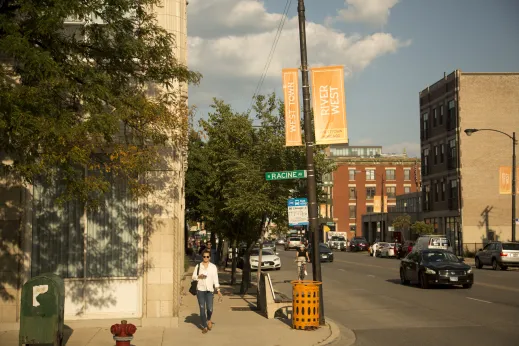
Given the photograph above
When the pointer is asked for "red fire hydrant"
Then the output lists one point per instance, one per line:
(123, 333)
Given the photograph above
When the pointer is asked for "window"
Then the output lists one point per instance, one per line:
(425, 162)
(441, 114)
(352, 174)
(353, 193)
(442, 153)
(390, 174)
(453, 189)
(391, 191)
(369, 209)
(452, 154)
(435, 154)
(426, 193)
(370, 174)
(443, 191)
(370, 192)
(407, 189)
(391, 208)
(435, 117)
(407, 174)
(59, 234)
(436, 191)
(451, 115)
(425, 126)
(353, 211)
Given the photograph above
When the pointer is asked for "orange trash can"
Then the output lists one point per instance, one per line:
(305, 304)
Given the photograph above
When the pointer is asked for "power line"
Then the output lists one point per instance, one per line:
(272, 50)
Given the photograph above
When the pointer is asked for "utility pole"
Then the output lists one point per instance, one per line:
(514, 189)
(309, 143)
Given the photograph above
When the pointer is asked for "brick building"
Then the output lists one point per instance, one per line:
(461, 174)
(362, 177)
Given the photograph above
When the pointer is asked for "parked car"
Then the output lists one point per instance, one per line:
(404, 249)
(269, 259)
(435, 267)
(293, 243)
(280, 241)
(498, 254)
(337, 240)
(269, 244)
(325, 252)
(388, 250)
(359, 244)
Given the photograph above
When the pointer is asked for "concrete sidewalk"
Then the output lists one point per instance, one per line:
(234, 324)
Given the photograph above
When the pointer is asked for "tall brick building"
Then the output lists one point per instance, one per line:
(362, 177)
(461, 174)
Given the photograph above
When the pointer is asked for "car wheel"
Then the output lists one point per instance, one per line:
(403, 280)
(494, 264)
(278, 268)
(467, 286)
(503, 267)
(423, 281)
(478, 263)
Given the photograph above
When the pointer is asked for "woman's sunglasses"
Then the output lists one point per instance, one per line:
(207, 256)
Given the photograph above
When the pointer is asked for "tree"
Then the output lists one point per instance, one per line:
(422, 228)
(402, 222)
(77, 97)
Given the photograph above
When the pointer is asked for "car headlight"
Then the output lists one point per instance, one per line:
(469, 271)
(276, 259)
(429, 271)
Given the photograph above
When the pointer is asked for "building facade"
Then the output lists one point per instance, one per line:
(461, 175)
(124, 261)
(368, 181)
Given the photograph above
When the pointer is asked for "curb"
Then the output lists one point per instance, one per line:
(335, 335)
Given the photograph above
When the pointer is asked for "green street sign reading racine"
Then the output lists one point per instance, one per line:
(285, 175)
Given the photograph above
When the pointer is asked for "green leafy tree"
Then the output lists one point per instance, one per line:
(402, 222)
(78, 96)
(422, 228)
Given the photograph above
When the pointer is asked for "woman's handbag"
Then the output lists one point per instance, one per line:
(194, 283)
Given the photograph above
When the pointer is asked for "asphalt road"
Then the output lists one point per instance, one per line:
(364, 294)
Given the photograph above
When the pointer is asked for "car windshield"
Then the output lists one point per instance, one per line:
(437, 256)
(511, 246)
(265, 252)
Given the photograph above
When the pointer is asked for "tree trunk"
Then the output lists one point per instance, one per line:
(246, 273)
(218, 253)
(224, 253)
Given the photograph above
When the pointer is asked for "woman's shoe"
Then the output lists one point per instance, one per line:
(209, 325)
(204, 330)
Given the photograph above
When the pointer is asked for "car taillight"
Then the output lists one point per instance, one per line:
(503, 254)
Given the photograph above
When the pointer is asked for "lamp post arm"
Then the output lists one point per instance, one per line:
(504, 133)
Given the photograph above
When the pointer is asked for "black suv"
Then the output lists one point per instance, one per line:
(359, 244)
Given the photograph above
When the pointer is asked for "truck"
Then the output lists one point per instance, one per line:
(337, 240)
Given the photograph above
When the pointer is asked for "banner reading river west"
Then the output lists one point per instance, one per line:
(329, 104)
(292, 114)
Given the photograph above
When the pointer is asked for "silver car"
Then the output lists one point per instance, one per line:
(498, 254)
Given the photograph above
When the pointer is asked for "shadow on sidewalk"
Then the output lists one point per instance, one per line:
(194, 319)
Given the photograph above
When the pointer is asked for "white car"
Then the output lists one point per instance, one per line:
(388, 250)
(269, 259)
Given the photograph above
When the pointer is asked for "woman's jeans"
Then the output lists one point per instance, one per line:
(205, 301)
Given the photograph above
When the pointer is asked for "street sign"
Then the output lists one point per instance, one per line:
(301, 174)
(298, 212)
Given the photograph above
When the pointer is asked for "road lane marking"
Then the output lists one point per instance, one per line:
(479, 300)
(342, 270)
(371, 276)
(367, 265)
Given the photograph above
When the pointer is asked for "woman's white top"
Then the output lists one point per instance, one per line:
(211, 280)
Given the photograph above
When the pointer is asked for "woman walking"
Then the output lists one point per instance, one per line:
(207, 275)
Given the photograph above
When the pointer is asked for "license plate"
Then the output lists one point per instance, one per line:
(454, 279)
(323, 256)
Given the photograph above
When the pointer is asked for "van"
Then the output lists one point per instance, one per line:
(435, 241)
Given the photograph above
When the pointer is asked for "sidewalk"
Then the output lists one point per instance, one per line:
(234, 324)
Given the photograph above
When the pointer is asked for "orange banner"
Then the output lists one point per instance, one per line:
(329, 105)
(505, 180)
(377, 204)
(292, 110)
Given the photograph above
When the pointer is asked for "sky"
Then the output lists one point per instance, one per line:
(391, 50)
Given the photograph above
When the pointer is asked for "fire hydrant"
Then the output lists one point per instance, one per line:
(123, 333)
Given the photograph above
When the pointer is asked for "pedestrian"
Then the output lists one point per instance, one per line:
(196, 246)
(207, 275)
(374, 249)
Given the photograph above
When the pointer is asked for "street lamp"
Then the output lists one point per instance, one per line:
(514, 143)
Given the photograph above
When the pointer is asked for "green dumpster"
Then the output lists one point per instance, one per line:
(42, 309)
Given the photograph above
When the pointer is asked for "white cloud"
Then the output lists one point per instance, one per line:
(374, 12)
(412, 149)
(230, 40)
